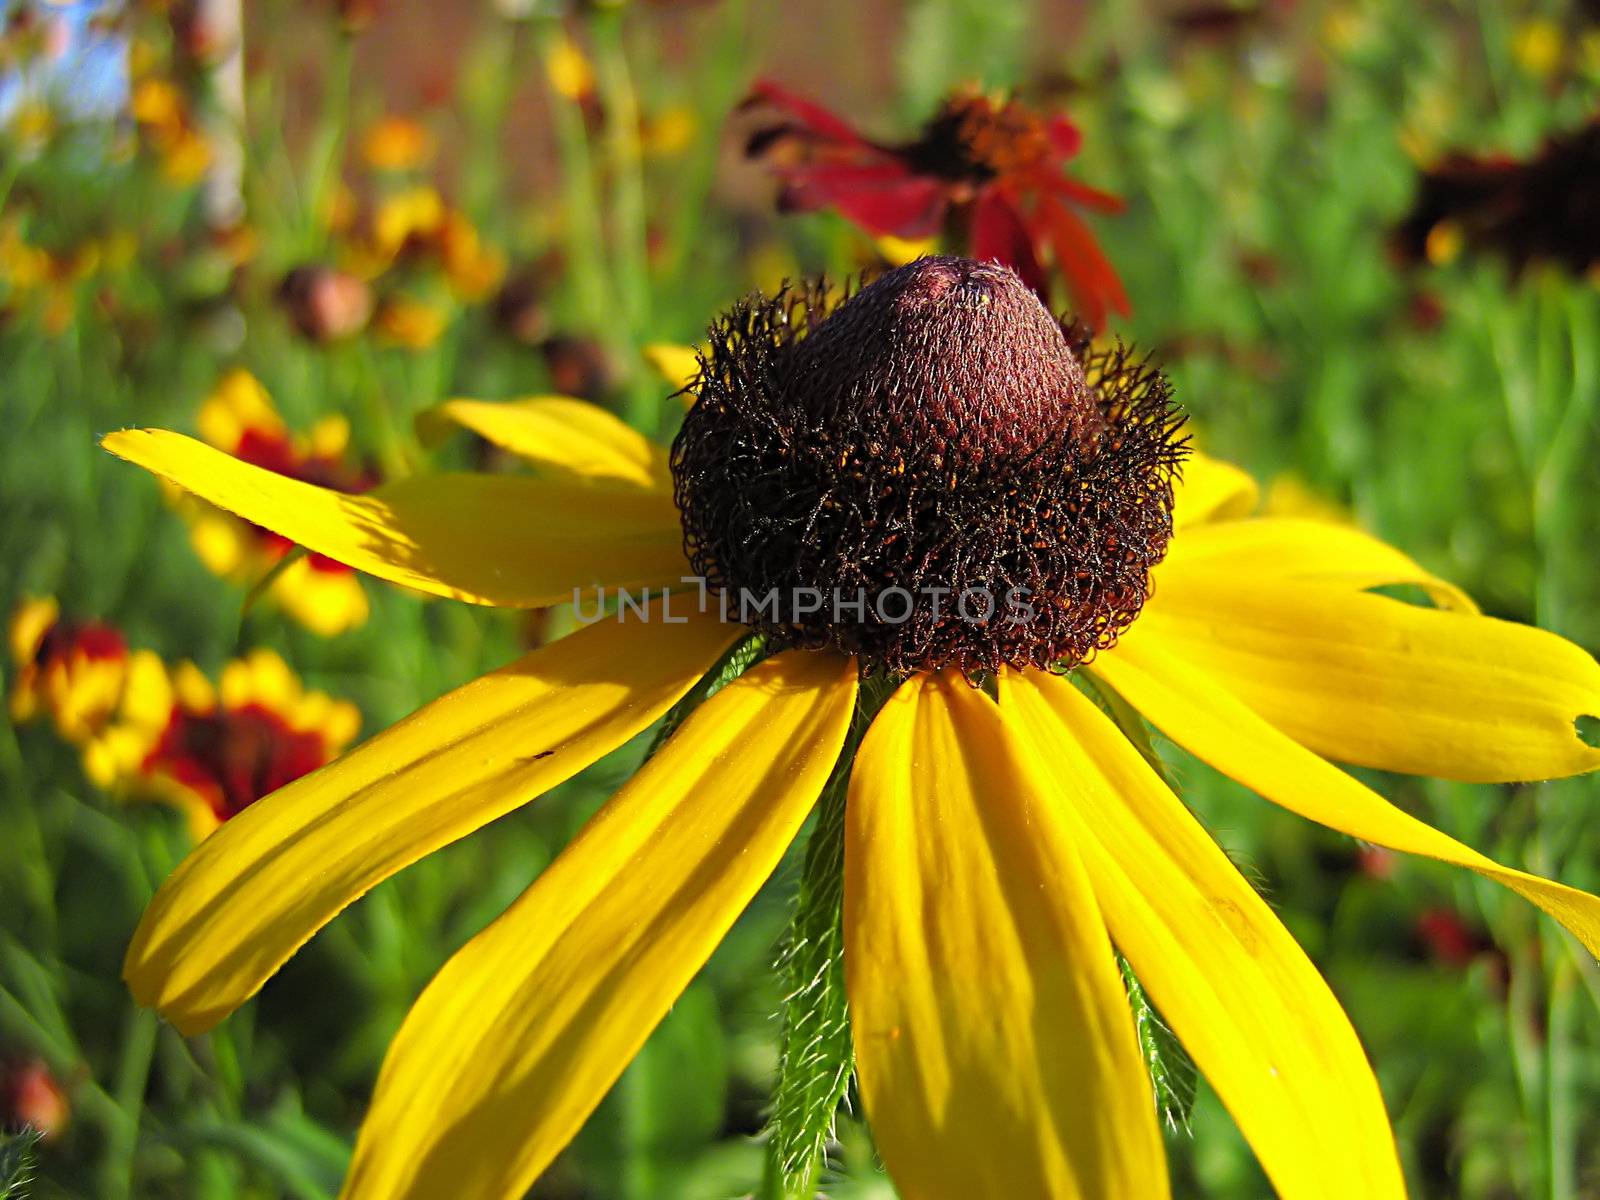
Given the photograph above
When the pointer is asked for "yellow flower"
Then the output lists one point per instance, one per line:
(568, 69)
(999, 839)
(396, 144)
(412, 324)
(212, 751)
(669, 132)
(417, 212)
(1538, 46)
(239, 418)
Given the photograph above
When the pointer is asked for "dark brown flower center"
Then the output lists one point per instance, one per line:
(927, 475)
(972, 140)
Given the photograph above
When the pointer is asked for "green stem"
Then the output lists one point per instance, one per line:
(585, 245)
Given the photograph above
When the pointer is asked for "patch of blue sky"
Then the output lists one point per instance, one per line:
(85, 76)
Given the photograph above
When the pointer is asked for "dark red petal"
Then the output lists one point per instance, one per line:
(898, 204)
(810, 114)
(1085, 196)
(999, 234)
(1091, 279)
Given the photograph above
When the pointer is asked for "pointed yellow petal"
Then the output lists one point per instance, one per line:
(1297, 549)
(519, 1036)
(678, 365)
(565, 438)
(1368, 680)
(1199, 714)
(250, 895)
(993, 1038)
(1211, 490)
(1241, 995)
(488, 539)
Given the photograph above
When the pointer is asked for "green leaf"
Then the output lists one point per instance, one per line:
(1172, 1071)
(816, 1056)
(17, 1155)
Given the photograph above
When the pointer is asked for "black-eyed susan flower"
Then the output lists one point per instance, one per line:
(239, 418)
(912, 455)
(991, 172)
(212, 750)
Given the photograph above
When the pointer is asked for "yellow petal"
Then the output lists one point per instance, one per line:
(564, 437)
(237, 907)
(519, 1036)
(994, 1043)
(678, 365)
(1368, 680)
(1198, 713)
(1211, 490)
(1241, 995)
(1305, 550)
(488, 539)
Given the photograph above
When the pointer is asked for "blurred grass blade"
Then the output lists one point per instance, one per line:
(1172, 1071)
(816, 1055)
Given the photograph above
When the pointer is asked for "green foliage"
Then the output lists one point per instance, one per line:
(18, 1157)
(1172, 1071)
(816, 1053)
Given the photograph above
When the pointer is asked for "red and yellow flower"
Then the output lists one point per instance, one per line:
(212, 751)
(239, 418)
(990, 173)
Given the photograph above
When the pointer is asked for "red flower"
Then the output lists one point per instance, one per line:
(991, 174)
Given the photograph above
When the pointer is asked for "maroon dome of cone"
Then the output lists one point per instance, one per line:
(927, 474)
(951, 353)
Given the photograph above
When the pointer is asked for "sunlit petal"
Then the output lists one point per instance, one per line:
(1368, 680)
(1296, 549)
(993, 1037)
(1212, 490)
(251, 894)
(519, 1036)
(563, 437)
(1199, 714)
(1241, 995)
(488, 539)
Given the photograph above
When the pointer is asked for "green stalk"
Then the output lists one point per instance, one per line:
(585, 245)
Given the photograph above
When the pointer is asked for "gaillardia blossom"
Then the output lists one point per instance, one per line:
(239, 418)
(934, 437)
(990, 173)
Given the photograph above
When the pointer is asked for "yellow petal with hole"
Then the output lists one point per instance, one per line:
(994, 1043)
(1309, 551)
(563, 437)
(1198, 713)
(1209, 489)
(488, 539)
(1241, 995)
(523, 1031)
(250, 895)
(1380, 683)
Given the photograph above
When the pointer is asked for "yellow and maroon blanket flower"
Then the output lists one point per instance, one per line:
(991, 172)
(70, 671)
(213, 750)
(238, 418)
(1002, 831)
(82, 676)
